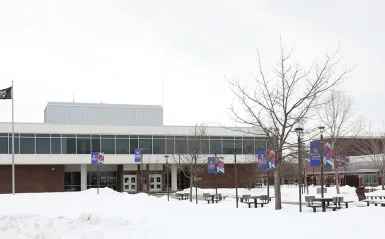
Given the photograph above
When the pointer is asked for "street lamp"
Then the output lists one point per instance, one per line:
(168, 195)
(321, 128)
(299, 132)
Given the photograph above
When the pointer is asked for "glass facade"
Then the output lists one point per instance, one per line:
(126, 144)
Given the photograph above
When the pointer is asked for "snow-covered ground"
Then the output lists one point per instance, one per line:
(114, 215)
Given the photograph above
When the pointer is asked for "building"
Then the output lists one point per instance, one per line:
(103, 114)
(57, 157)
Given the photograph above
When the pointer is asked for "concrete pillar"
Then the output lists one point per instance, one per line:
(174, 177)
(83, 176)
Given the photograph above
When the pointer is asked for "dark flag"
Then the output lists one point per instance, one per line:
(6, 94)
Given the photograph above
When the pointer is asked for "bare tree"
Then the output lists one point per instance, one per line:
(194, 163)
(374, 148)
(278, 104)
(338, 115)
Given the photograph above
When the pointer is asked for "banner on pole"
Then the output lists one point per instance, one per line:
(100, 158)
(262, 162)
(6, 94)
(271, 158)
(211, 165)
(138, 156)
(328, 154)
(94, 158)
(220, 165)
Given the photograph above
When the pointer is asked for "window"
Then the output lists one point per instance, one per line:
(369, 179)
(181, 145)
(260, 145)
(106, 179)
(122, 146)
(16, 143)
(205, 146)
(72, 181)
(3, 145)
(228, 146)
(43, 146)
(146, 146)
(238, 145)
(215, 146)
(170, 145)
(248, 146)
(133, 145)
(55, 145)
(108, 146)
(68, 145)
(95, 143)
(159, 145)
(27, 145)
(83, 144)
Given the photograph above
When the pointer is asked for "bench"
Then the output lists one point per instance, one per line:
(315, 206)
(347, 203)
(264, 200)
(376, 203)
(207, 197)
(245, 198)
(337, 203)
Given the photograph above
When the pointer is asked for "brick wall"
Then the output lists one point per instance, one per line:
(32, 178)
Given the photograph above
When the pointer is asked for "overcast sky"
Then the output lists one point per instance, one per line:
(118, 51)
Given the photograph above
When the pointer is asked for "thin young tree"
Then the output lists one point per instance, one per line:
(279, 102)
(340, 121)
(193, 163)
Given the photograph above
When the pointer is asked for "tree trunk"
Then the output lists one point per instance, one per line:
(277, 186)
(191, 183)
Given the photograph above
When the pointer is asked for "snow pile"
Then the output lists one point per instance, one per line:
(86, 215)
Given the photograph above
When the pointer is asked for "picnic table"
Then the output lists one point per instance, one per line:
(182, 196)
(209, 197)
(264, 199)
(323, 201)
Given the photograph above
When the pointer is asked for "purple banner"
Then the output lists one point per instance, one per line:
(138, 156)
(315, 154)
(94, 158)
(262, 156)
(211, 165)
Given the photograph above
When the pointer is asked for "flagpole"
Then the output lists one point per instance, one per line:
(13, 143)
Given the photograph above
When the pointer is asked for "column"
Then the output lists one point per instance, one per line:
(174, 177)
(83, 176)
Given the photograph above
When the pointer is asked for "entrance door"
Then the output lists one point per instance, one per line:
(129, 183)
(156, 182)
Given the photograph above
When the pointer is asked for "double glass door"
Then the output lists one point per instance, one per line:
(156, 182)
(129, 183)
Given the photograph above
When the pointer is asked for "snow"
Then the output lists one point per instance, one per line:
(85, 215)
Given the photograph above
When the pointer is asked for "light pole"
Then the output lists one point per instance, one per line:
(168, 195)
(141, 167)
(299, 133)
(236, 175)
(215, 175)
(321, 128)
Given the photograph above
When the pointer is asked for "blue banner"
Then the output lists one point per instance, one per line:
(94, 158)
(262, 156)
(315, 154)
(138, 156)
(211, 165)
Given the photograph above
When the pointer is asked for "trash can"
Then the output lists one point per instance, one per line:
(361, 193)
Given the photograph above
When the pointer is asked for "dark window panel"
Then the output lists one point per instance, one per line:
(205, 147)
(108, 146)
(146, 146)
(181, 146)
(134, 136)
(95, 136)
(108, 136)
(196, 144)
(181, 137)
(248, 146)
(119, 136)
(3, 134)
(248, 138)
(83, 146)
(16, 144)
(95, 145)
(68, 135)
(27, 145)
(170, 145)
(27, 135)
(238, 146)
(67, 178)
(43, 146)
(159, 146)
(260, 145)
(216, 146)
(85, 136)
(122, 146)
(56, 135)
(68, 146)
(134, 144)
(42, 135)
(228, 138)
(159, 136)
(215, 137)
(228, 146)
(145, 136)
(4, 145)
(56, 145)
(76, 178)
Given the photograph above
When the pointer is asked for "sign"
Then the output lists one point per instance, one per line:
(262, 159)
(138, 156)
(211, 165)
(328, 154)
(220, 161)
(100, 158)
(94, 158)
(271, 159)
